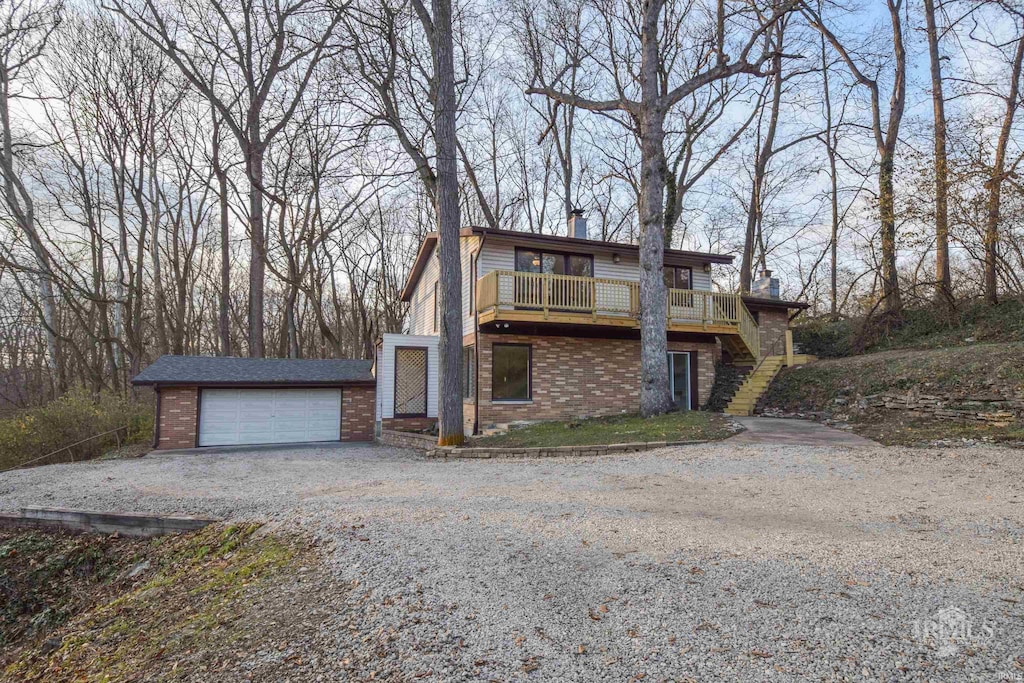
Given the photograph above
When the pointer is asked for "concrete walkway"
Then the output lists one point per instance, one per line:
(785, 431)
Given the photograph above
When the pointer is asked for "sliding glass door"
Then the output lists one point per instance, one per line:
(679, 378)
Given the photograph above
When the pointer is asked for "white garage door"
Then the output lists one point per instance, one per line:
(248, 416)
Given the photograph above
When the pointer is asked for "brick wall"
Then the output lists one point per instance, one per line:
(178, 417)
(357, 413)
(772, 324)
(409, 424)
(580, 377)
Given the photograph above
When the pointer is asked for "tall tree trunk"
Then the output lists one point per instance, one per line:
(257, 246)
(886, 204)
(834, 185)
(449, 417)
(943, 281)
(654, 393)
(893, 300)
(159, 296)
(224, 296)
(764, 155)
(995, 182)
(671, 195)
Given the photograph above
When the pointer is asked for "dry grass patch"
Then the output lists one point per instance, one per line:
(130, 609)
(674, 426)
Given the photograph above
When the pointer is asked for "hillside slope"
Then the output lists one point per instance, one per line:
(910, 396)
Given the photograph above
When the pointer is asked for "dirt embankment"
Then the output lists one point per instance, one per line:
(91, 607)
(911, 396)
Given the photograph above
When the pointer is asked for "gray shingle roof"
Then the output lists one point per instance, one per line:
(230, 370)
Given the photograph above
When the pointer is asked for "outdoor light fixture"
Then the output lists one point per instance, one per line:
(707, 267)
(616, 258)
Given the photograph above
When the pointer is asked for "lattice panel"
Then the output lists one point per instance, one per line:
(410, 381)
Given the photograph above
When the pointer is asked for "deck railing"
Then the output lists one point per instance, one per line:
(514, 290)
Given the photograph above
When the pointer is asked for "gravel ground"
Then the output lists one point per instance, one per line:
(715, 562)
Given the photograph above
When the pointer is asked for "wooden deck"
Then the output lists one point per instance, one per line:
(504, 295)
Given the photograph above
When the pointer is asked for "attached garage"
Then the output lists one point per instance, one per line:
(216, 401)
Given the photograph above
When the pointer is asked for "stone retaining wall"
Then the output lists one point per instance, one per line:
(996, 410)
(391, 437)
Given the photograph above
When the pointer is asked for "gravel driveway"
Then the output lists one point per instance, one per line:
(717, 562)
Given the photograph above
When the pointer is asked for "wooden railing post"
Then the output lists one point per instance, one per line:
(789, 348)
(593, 300)
(543, 296)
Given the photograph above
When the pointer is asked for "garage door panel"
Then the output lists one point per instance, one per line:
(254, 416)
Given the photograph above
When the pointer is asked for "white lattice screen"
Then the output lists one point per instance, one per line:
(410, 381)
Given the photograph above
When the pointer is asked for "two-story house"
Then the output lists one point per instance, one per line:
(551, 330)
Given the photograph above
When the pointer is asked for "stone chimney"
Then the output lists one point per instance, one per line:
(766, 286)
(577, 225)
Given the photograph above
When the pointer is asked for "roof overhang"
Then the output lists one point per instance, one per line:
(426, 249)
(762, 302)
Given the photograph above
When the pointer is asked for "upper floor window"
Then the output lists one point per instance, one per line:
(472, 285)
(679, 277)
(554, 263)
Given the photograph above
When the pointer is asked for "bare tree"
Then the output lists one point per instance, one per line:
(647, 110)
(886, 139)
(943, 280)
(25, 29)
(766, 150)
(994, 185)
(268, 47)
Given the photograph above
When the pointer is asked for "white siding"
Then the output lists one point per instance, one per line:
(495, 255)
(701, 279)
(385, 371)
(421, 309)
(628, 268)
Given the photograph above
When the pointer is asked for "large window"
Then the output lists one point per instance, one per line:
(533, 261)
(469, 373)
(678, 277)
(510, 367)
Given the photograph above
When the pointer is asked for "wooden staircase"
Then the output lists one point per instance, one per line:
(745, 398)
(739, 349)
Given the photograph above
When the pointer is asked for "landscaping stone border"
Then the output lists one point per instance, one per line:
(551, 451)
(428, 444)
